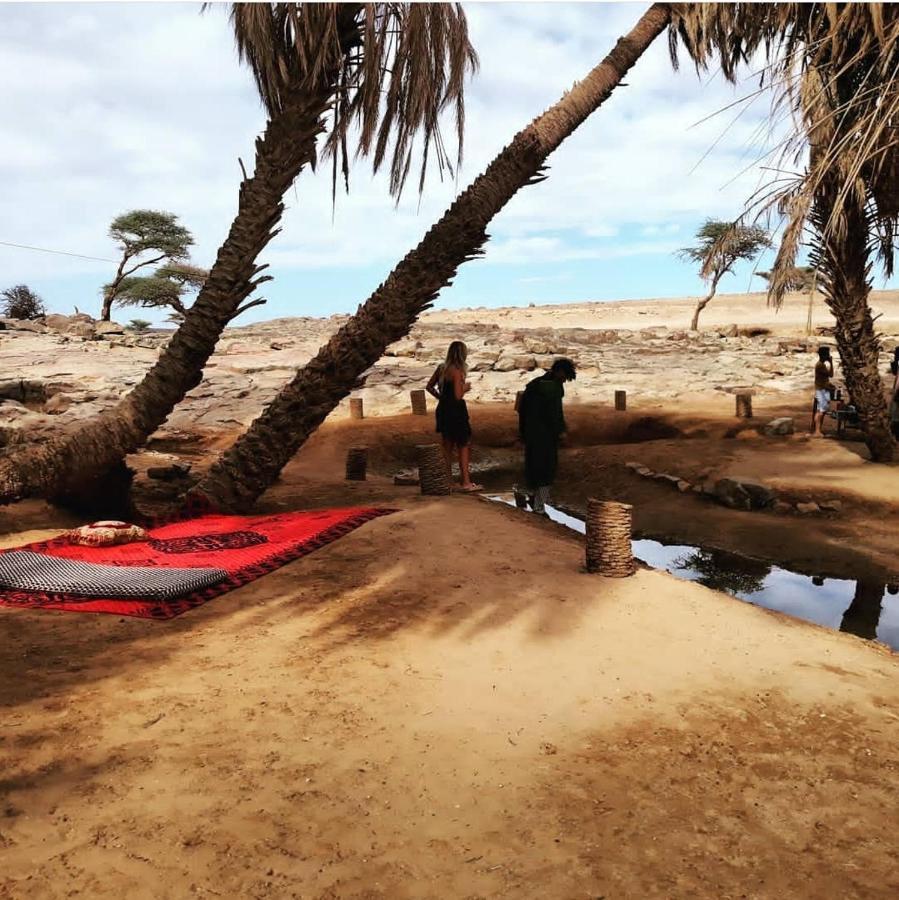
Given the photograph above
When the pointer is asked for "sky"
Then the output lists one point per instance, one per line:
(110, 107)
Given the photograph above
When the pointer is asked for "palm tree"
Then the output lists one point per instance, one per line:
(379, 72)
(252, 464)
(721, 245)
(834, 66)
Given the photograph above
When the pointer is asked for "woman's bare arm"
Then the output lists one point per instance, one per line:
(458, 379)
(432, 384)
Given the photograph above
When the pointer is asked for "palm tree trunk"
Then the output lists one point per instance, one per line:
(252, 464)
(846, 286)
(77, 458)
(862, 616)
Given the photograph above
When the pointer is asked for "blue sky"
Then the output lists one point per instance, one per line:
(109, 107)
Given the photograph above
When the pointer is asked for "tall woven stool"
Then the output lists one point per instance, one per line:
(356, 408)
(621, 400)
(356, 463)
(609, 538)
(518, 396)
(419, 403)
(744, 406)
(432, 474)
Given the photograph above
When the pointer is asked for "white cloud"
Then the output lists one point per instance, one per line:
(115, 106)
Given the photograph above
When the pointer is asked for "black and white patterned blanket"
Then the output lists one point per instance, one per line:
(23, 570)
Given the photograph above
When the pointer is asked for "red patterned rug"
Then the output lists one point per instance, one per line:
(243, 547)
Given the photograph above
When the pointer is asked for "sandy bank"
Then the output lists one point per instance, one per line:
(443, 705)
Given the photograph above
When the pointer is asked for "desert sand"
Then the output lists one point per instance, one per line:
(443, 704)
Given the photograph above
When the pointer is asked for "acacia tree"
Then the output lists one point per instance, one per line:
(20, 302)
(145, 237)
(167, 288)
(366, 79)
(252, 464)
(721, 245)
(835, 68)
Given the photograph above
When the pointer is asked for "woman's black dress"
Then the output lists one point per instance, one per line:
(452, 416)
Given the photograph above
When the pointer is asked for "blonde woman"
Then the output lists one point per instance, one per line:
(449, 385)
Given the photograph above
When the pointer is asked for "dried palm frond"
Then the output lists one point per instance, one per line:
(392, 69)
(835, 68)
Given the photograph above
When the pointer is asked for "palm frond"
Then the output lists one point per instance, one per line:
(834, 68)
(390, 71)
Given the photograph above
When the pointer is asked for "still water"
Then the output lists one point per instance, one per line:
(864, 606)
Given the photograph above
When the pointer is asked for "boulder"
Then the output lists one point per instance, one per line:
(808, 508)
(24, 325)
(174, 472)
(744, 493)
(504, 364)
(57, 322)
(106, 327)
(405, 348)
(831, 505)
(57, 404)
(81, 329)
(781, 426)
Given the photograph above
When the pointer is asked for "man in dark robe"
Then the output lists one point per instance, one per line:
(541, 425)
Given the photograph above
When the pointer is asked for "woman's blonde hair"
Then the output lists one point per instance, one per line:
(456, 357)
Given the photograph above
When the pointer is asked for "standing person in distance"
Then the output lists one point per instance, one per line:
(823, 385)
(894, 394)
(541, 425)
(449, 385)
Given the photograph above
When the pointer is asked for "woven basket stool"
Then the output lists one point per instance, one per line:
(356, 408)
(744, 406)
(609, 538)
(356, 463)
(621, 400)
(419, 403)
(432, 474)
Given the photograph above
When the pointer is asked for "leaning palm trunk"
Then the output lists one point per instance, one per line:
(252, 464)
(845, 267)
(82, 454)
(383, 71)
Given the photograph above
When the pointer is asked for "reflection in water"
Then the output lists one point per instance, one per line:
(728, 572)
(866, 607)
(863, 613)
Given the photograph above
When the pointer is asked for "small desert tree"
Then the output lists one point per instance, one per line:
(20, 302)
(167, 287)
(720, 245)
(139, 325)
(802, 279)
(145, 237)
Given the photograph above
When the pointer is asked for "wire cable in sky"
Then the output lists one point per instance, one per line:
(59, 252)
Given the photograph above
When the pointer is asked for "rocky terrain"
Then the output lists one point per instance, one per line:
(63, 368)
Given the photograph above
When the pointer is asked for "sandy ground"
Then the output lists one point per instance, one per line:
(674, 312)
(442, 704)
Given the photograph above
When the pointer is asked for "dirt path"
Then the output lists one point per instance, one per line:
(442, 705)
